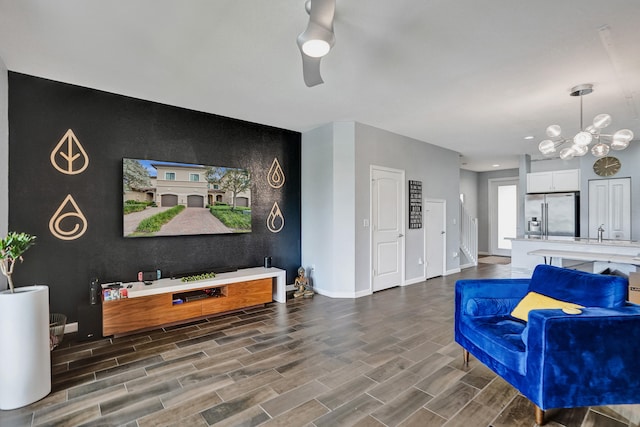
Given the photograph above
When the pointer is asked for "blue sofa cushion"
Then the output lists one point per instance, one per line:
(499, 336)
(587, 289)
(490, 306)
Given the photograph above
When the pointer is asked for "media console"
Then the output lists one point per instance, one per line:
(170, 301)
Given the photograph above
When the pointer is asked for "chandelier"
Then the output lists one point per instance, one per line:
(579, 144)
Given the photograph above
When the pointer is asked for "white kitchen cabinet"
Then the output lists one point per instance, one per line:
(555, 181)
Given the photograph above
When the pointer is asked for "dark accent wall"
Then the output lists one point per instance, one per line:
(111, 127)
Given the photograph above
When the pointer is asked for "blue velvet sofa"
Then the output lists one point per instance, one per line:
(556, 360)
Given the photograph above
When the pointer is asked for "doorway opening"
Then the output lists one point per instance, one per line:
(503, 214)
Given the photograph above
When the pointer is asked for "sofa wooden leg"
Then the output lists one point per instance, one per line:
(465, 356)
(539, 416)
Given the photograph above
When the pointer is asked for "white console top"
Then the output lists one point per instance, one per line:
(162, 286)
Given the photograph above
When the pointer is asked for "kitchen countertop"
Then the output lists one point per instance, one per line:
(526, 253)
(578, 241)
(587, 256)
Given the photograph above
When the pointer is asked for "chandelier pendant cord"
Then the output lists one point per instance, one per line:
(581, 128)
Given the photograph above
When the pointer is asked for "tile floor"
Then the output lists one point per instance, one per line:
(384, 360)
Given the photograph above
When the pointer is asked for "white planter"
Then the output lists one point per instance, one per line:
(25, 358)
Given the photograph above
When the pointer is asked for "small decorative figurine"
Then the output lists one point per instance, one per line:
(303, 289)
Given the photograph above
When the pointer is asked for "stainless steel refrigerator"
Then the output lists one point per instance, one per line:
(552, 214)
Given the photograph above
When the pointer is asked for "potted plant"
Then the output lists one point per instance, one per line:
(11, 249)
(25, 371)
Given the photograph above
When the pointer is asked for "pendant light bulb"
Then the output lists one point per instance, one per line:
(567, 153)
(547, 147)
(601, 121)
(583, 138)
(554, 131)
(600, 150)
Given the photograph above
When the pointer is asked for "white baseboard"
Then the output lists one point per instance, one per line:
(331, 294)
(363, 293)
(414, 281)
(467, 265)
(452, 271)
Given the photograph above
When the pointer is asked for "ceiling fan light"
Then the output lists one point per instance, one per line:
(316, 48)
(554, 131)
(601, 121)
(600, 150)
(583, 138)
(567, 153)
(547, 147)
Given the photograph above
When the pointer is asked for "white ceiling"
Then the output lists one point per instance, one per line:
(474, 76)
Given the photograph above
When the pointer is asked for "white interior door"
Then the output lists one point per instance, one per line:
(503, 214)
(387, 218)
(435, 238)
(610, 206)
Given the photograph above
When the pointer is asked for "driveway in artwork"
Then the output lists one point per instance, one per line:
(132, 220)
(193, 221)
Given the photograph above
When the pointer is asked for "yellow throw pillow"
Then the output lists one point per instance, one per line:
(536, 301)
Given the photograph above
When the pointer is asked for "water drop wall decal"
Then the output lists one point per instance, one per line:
(75, 224)
(275, 177)
(275, 220)
(69, 157)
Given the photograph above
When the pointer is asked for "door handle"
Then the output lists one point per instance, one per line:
(442, 232)
(400, 235)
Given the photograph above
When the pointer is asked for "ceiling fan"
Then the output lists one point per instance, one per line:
(317, 40)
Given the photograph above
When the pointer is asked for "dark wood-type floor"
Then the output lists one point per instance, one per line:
(383, 360)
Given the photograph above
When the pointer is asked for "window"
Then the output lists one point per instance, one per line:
(170, 176)
(216, 186)
(194, 177)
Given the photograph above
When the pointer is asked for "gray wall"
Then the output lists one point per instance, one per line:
(436, 167)
(630, 159)
(4, 157)
(317, 202)
(469, 187)
(483, 203)
(327, 208)
(336, 161)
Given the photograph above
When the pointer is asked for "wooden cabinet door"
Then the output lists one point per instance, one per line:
(133, 314)
(130, 314)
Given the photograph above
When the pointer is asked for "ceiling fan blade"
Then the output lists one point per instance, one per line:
(311, 70)
(322, 13)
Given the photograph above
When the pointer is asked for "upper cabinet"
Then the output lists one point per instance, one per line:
(556, 181)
